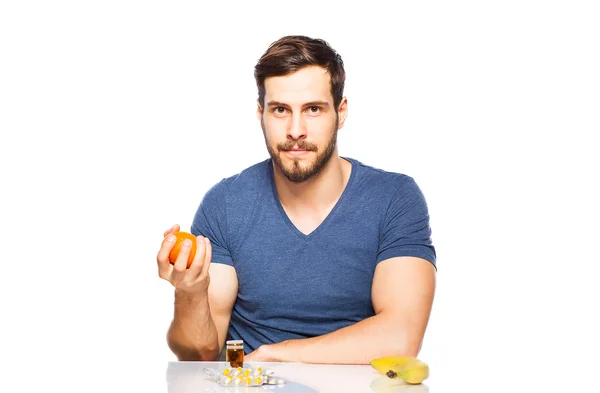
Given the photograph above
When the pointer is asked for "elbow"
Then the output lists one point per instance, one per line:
(409, 345)
(403, 345)
(408, 350)
(399, 349)
(188, 352)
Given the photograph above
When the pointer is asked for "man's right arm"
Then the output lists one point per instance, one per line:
(200, 323)
(202, 311)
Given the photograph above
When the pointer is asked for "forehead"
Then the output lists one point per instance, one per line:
(305, 85)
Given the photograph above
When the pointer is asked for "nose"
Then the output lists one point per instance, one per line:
(297, 128)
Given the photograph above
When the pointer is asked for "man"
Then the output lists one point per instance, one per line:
(307, 256)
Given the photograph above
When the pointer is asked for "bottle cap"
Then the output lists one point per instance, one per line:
(235, 342)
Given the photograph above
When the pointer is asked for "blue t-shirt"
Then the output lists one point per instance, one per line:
(293, 285)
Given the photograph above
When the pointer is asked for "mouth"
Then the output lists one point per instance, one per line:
(296, 152)
(296, 149)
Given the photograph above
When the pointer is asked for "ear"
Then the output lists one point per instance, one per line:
(259, 111)
(342, 112)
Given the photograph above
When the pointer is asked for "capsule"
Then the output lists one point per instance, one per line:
(227, 380)
(258, 371)
(227, 371)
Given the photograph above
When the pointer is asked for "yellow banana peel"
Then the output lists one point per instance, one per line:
(407, 368)
(382, 365)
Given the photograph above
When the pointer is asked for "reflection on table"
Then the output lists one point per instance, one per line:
(190, 377)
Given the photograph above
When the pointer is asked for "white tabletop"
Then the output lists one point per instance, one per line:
(190, 377)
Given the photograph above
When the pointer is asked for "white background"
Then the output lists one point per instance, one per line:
(117, 116)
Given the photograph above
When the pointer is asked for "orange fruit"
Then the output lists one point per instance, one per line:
(180, 237)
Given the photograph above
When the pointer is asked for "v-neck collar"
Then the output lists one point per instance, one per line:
(286, 218)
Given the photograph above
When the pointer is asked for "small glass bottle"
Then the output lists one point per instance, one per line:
(235, 353)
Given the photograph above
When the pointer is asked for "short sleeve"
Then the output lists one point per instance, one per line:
(210, 221)
(406, 230)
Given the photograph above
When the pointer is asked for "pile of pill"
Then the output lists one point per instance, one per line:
(247, 376)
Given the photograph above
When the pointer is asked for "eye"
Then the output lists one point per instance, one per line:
(314, 109)
(279, 109)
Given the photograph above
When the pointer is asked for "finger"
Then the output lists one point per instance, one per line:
(195, 268)
(207, 256)
(173, 229)
(180, 265)
(162, 258)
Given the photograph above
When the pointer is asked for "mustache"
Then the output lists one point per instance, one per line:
(300, 144)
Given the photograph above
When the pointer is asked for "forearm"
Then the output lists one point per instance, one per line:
(377, 336)
(193, 334)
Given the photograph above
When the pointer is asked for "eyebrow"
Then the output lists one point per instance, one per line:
(312, 103)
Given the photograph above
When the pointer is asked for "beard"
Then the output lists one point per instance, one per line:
(298, 173)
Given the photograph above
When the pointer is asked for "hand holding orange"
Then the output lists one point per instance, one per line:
(180, 236)
(177, 250)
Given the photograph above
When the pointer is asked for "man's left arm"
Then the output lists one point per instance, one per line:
(402, 295)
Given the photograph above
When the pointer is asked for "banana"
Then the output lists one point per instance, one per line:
(382, 365)
(409, 369)
(413, 372)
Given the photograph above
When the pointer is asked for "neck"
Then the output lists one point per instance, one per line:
(319, 192)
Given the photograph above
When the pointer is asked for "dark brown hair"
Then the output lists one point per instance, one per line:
(291, 53)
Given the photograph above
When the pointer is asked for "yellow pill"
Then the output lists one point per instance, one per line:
(227, 371)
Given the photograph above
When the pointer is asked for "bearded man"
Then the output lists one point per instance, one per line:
(307, 256)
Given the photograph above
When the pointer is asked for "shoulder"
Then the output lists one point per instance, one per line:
(404, 225)
(228, 199)
(383, 182)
